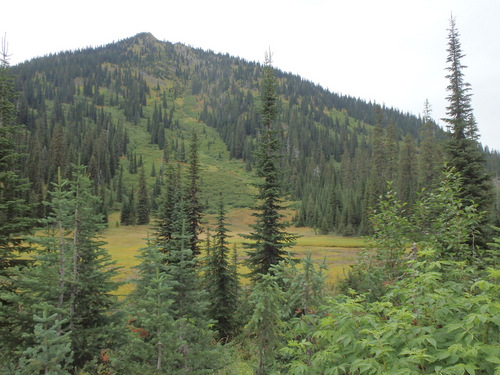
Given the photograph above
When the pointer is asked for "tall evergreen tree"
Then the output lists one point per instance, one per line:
(15, 221)
(221, 280)
(76, 279)
(269, 237)
(143, 206)
(430, 158)
(407, 172)
(193, 205)
(193, 333)
(168, 205)
(463, 150)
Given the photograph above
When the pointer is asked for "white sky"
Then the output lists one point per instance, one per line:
(392, 52)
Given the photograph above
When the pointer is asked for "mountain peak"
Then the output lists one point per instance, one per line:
(146, 37)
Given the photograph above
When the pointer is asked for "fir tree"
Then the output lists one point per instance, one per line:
(171, 196)
(15, 221)
(222, 281)
(142, 200)
(430, 159)
(462, 149)
(190, 303)
(51, 350)
(152, 346)
(77, 278)
(193, 205)
(266, 323)
(268, 236)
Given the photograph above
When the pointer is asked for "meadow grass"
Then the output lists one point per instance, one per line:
(125, 242)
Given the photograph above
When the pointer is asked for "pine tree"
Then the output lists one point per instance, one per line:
(222, 282)
(462, 149)
(269, 238)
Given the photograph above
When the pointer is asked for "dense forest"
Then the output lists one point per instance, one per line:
(166, 134)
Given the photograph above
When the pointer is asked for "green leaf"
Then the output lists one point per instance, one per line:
(431, 341)
(493, 359)
(470, 368)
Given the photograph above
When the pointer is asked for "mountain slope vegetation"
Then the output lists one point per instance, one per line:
(132, 104)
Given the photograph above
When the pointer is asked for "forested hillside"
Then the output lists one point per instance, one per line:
(169, 135)
(133, 104)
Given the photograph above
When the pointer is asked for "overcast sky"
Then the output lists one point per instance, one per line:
(392, 52)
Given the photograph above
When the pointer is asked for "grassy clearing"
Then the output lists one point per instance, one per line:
(124, 243)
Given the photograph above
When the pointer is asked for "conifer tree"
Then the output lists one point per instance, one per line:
(221, 280)
(407, 172)
(266, 323)
(194, 207)
(51, 350)
(15, 221)
(190, 303)
(170, 198)
(462, 149)
(77, 278)
(268, 236)
(152, 346)
(430, 158)
(142, 200)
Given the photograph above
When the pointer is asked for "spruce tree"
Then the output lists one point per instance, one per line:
(269, 240)
(463, 150)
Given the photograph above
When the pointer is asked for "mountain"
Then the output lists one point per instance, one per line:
(133, 104)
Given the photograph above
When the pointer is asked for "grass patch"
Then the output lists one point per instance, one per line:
(124, 243)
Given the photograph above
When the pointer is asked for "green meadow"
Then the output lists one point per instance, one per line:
(124, 243)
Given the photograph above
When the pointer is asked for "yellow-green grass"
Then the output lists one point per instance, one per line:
(124, 243)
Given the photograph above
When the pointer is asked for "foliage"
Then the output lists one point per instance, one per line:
(266, 323)
(15, 220)
(51, 352)
(269, 238)
(440, 220)
(152, 344)
(462, 148)
(73, 272)
(427, 311)
(222, 280)
(429, 322)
